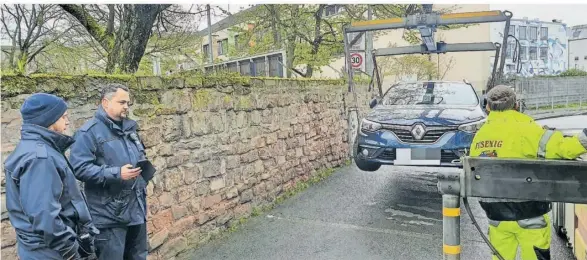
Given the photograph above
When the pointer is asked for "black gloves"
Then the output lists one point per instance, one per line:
(87, 249)
(86, 246)
(71, 253)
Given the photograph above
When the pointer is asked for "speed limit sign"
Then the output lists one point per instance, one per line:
(357, 61)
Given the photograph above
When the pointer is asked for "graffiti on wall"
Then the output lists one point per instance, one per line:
(539, 54)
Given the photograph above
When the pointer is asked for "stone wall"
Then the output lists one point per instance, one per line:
(221, 146)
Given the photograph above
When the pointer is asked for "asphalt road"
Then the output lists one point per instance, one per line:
(394, 213)
(575, 122)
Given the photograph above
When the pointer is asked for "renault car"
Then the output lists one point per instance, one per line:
(428, 123)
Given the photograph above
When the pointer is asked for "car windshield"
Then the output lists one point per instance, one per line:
(430, 93)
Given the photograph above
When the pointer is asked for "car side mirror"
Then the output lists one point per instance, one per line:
(373, 103)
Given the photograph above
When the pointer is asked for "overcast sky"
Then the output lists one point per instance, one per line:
(571, 14)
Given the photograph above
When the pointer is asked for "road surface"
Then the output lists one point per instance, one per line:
(394, 213)
(574, 122)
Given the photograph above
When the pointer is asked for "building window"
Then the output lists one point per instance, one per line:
(585, 58)
(232, 67)
(510, 50)
(259, 67)
(533, 53)
(512, 30)
(223, 47)
(577, 58)
(206, 51)
(544, 33)
(332, 10)
(544, 53)
(236, 43)
(245, 66)
(275, 69)
(522, 33)
(523, 55)
(533, 33)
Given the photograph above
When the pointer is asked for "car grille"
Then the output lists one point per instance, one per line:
(387, 154)
(447, 156)
(433, 133)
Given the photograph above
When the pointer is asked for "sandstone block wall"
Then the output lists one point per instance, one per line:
(221, 147)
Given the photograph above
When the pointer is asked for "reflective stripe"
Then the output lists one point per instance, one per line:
(451, 212)
(493, 200)
(451, 250)
(533, 223)
(543, 141)
(494, 223)
(583, 138)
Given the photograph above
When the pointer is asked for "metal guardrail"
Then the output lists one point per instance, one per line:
(542, 94)
(525, 179)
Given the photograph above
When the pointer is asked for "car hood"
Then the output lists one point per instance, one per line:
(429, 115)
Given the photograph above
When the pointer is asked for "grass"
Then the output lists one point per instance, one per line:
(558, 106)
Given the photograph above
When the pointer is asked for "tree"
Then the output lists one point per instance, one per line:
(312, 34)
(125, 45)
(32, 29)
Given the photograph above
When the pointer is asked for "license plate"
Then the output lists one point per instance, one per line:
(417, 156)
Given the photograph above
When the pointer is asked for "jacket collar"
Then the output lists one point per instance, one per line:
(127, 124)
(508, 115)
(56, 140)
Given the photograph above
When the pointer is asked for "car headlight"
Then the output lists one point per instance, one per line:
(472, 127)
(369, 126)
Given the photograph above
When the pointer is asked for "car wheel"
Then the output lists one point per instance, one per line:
(367, 166)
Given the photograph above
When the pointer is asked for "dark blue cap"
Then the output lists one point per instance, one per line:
(42, 109)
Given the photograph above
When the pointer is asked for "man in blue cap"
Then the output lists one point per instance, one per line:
(45, 205)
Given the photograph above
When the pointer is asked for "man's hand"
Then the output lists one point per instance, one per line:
(127, 172)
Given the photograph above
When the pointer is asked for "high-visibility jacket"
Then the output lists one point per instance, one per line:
(511, 134)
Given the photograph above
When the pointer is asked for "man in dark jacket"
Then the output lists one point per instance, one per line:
(45, 205)
(104, 157)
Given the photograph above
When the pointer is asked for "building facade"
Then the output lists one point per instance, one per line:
(578, 47)
(534, 47)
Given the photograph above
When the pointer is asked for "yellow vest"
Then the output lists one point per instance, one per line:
(511, 134)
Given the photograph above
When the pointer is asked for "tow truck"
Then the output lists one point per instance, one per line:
(428, 123)
(491, 175)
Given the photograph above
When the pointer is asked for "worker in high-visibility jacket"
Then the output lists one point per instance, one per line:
(508, 133)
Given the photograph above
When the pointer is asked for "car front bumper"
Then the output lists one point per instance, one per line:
(385, 147)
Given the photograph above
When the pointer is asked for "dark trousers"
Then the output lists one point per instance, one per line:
(38, 254)
(122, 243)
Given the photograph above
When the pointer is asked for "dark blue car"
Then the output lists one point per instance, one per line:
(419, 124)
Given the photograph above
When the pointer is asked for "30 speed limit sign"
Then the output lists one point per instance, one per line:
(357, 61)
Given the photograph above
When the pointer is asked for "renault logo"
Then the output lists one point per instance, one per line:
(418, 131)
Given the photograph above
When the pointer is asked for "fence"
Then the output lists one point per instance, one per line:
(564, 93)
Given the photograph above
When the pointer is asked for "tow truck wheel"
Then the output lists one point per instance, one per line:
(367, 166)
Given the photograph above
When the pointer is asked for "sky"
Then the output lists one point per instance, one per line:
(571, 14)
